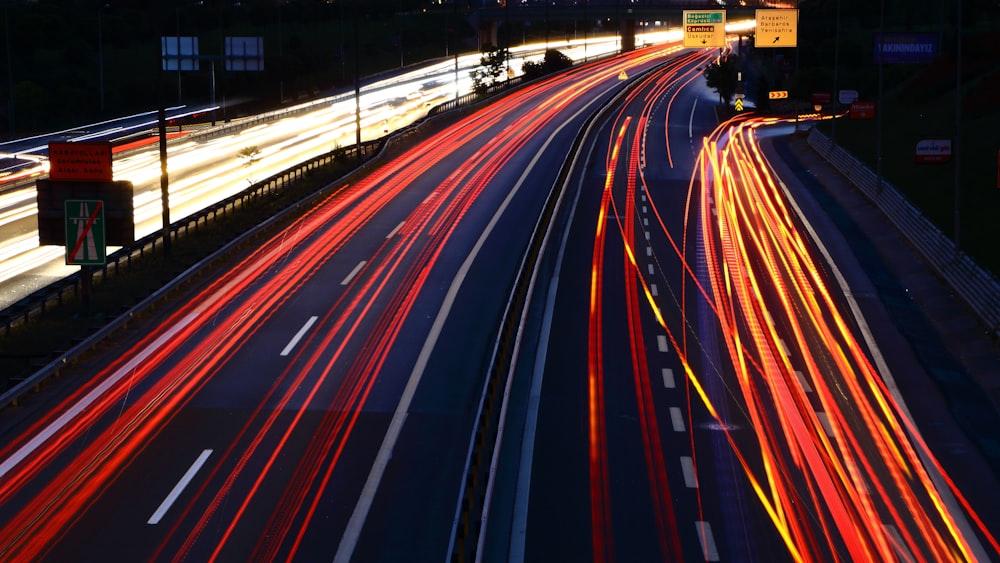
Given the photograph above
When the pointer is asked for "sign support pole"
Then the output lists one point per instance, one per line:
(958, 130)
(879, 108)
(162, 126)
(86, 277)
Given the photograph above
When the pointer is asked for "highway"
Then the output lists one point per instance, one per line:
(703, 388)
(732, 403)
(314, 400)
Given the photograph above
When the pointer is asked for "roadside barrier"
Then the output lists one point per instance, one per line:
(978, 287)
(35, 305)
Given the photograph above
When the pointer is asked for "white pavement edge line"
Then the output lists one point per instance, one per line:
(519, 525)
(694, 106)
(353, 530)
(298, 336)
(179, 488)
(883, 368)
(28, 448)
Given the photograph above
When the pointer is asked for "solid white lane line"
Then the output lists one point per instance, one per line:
(691, 119)
(352, 532)
(83, 404)
(708, 548)
(803, 381)
(396, 230)
(668, 378)
(687, 467)
(677, 419)
(354, 272)
(298, 336)
(179, 487)
(661, 343)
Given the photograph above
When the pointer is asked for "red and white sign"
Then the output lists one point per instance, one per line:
(822, 97)
(862, 110)
(80, 162)
(932, 150)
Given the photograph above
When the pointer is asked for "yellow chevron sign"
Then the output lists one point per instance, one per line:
(777, 94)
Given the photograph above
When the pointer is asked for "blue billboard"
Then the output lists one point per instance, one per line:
(896, 48)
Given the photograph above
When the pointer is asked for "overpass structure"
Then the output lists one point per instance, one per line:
(627, 15)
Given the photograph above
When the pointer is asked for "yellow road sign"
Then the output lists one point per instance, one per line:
(777, 28)
(777, 94)
(704, 28)
(739, 104)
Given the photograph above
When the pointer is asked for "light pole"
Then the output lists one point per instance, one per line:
(958, 128)
(100, 52)
(10, 72)
(836, 71)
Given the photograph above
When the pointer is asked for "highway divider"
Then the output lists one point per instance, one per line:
(473, 511)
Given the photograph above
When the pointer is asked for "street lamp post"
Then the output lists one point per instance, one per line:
(10, 73)
(100, 52)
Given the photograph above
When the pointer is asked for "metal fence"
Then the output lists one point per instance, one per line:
(36, 304)
(978, 287)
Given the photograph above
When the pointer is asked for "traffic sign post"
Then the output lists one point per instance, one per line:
(85, 242)
(776, 28)
(704, 28)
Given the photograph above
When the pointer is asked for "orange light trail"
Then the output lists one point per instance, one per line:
(858, 464)
(840, 471)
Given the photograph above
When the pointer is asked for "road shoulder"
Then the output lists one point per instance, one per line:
(943, 362)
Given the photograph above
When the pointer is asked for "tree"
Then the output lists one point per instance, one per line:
(249, 155)
(492, 65)
(552, 61)
(723, 76)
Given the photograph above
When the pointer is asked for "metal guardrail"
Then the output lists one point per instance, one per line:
(35, 305)
(978, 287)
(486, 439)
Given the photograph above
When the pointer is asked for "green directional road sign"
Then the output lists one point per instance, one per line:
(85, 242)
(704, 28)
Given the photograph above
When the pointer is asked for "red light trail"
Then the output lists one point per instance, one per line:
(842, 473)
(183, 355)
